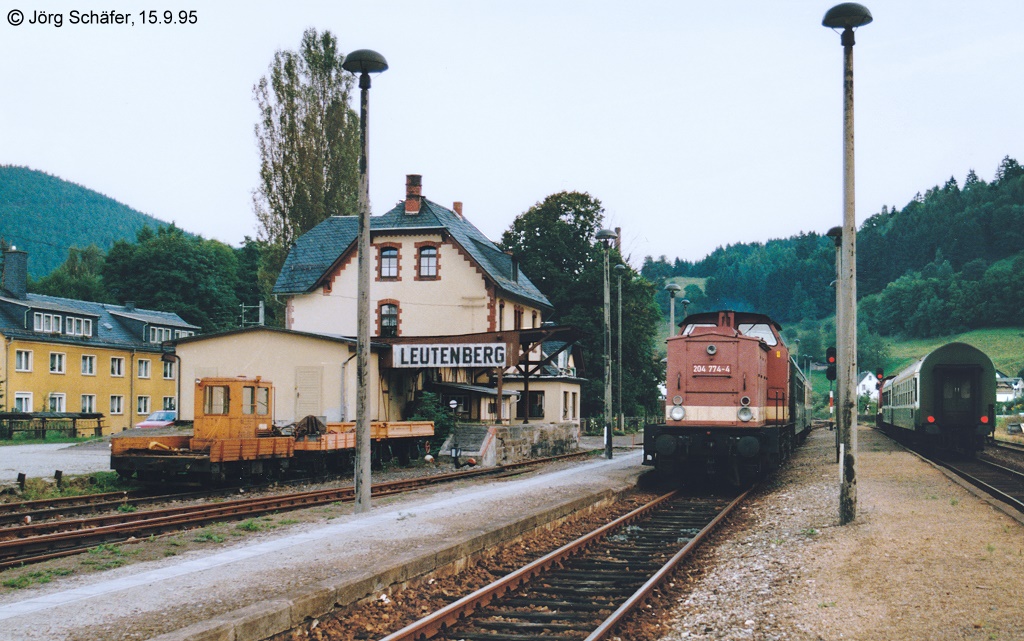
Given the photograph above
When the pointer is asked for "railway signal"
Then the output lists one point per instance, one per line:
(879, 376)
(830, 360)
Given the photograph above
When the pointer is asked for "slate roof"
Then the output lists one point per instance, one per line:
(109, 327)
(317, 250)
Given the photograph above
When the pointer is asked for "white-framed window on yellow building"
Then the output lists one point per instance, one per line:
(88, 365)
(116, 404)
(23, 402)
(142, 405)
(23, 360)
(117, 366)
(88, 403)
(169, 370)
(170, 404)
(58, 361)
(58, 402)
(144, 367)
(78, 326)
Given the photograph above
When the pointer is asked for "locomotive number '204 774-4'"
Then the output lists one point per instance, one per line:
(711, 369)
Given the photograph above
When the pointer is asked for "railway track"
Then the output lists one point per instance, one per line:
(32, 543)
(585, 588)
(1000, 482)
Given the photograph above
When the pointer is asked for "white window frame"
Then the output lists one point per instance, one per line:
(144, 367)
(78, 326)
(61, 362)
(46, 323)
(170, 404)
(57, 402)
(117, 372)
(142, 405)
(160, 334)
(89, 403)
(91, 369)
(22, 360)
(116, 404)
(23, 400)
(169, 370)
(183, 333)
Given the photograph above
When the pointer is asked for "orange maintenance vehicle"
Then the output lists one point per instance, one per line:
(234, 440)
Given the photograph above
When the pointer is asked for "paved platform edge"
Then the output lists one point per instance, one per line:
(265, 619)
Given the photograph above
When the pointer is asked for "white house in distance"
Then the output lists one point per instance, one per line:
(450, 313)
(868, 386)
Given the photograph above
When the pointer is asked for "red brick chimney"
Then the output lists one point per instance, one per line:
(457, 208)
(413, 194)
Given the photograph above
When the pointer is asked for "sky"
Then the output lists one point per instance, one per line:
(696, 124)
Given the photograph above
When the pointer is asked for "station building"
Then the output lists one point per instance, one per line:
(451, 313)
(62, 357)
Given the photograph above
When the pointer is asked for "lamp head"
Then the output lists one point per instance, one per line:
(606, 234)
(364, 61)
(847, 15)
(620, 268)
(672, 288)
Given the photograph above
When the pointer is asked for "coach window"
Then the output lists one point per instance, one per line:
(388, 320)
(216, 400)
(389, 262)
(428, 262)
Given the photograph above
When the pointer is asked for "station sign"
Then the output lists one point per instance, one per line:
(449, 355)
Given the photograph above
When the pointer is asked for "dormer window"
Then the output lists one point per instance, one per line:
(77, 326)
(160, 334)
(47, 323)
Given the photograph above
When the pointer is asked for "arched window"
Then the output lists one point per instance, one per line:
(388, 320)
(389, 262)
(428, 262)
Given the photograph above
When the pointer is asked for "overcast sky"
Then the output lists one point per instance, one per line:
(697, 124)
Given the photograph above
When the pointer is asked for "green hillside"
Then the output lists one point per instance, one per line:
(1004, 345)
(45, 215)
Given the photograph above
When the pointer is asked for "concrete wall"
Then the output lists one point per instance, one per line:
(513, 443)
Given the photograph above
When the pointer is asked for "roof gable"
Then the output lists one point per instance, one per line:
(317, 250)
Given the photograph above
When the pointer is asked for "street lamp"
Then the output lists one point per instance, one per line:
(847, 16)
(363, 62)
(606, 236)
(685, 303)
(620, 269)
(672, 288)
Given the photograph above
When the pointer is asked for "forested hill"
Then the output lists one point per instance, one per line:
(950, 260)
(45, 215)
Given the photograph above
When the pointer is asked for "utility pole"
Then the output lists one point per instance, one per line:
(606, 236)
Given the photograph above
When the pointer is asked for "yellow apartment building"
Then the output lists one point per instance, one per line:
(67, 356)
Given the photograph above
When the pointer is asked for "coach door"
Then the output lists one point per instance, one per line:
(957, 395)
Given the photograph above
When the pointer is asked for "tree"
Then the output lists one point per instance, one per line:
(173, 272)
(308, 140)
(80, 277)
(555, 243)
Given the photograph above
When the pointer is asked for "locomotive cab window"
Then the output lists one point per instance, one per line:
(255, 400)
(216, 400)
(692, 326)
(759, 330)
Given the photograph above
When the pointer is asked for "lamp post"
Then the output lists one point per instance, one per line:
(363, 62)
(685, 303)
(672, 289)
(606, 236)
(620, 269)
(847, 16)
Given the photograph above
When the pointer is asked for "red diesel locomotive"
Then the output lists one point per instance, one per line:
(736, 402)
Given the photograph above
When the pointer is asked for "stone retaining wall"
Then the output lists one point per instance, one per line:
(513, 443)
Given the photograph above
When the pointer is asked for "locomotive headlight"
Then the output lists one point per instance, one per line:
(712, 350)
(677, 400)
(745, 414)
(677, 413)
(745, 401)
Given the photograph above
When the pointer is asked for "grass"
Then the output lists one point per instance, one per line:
(97, 483)
(52, 436)
(29, 579)
(1004, 345)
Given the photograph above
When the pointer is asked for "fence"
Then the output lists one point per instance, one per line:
(594, 426)
(37, 424)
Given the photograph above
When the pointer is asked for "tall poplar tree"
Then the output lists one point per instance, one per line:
(308, 139)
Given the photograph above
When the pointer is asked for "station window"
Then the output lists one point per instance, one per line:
(428, 262)
(388, 320)
(389, 262)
